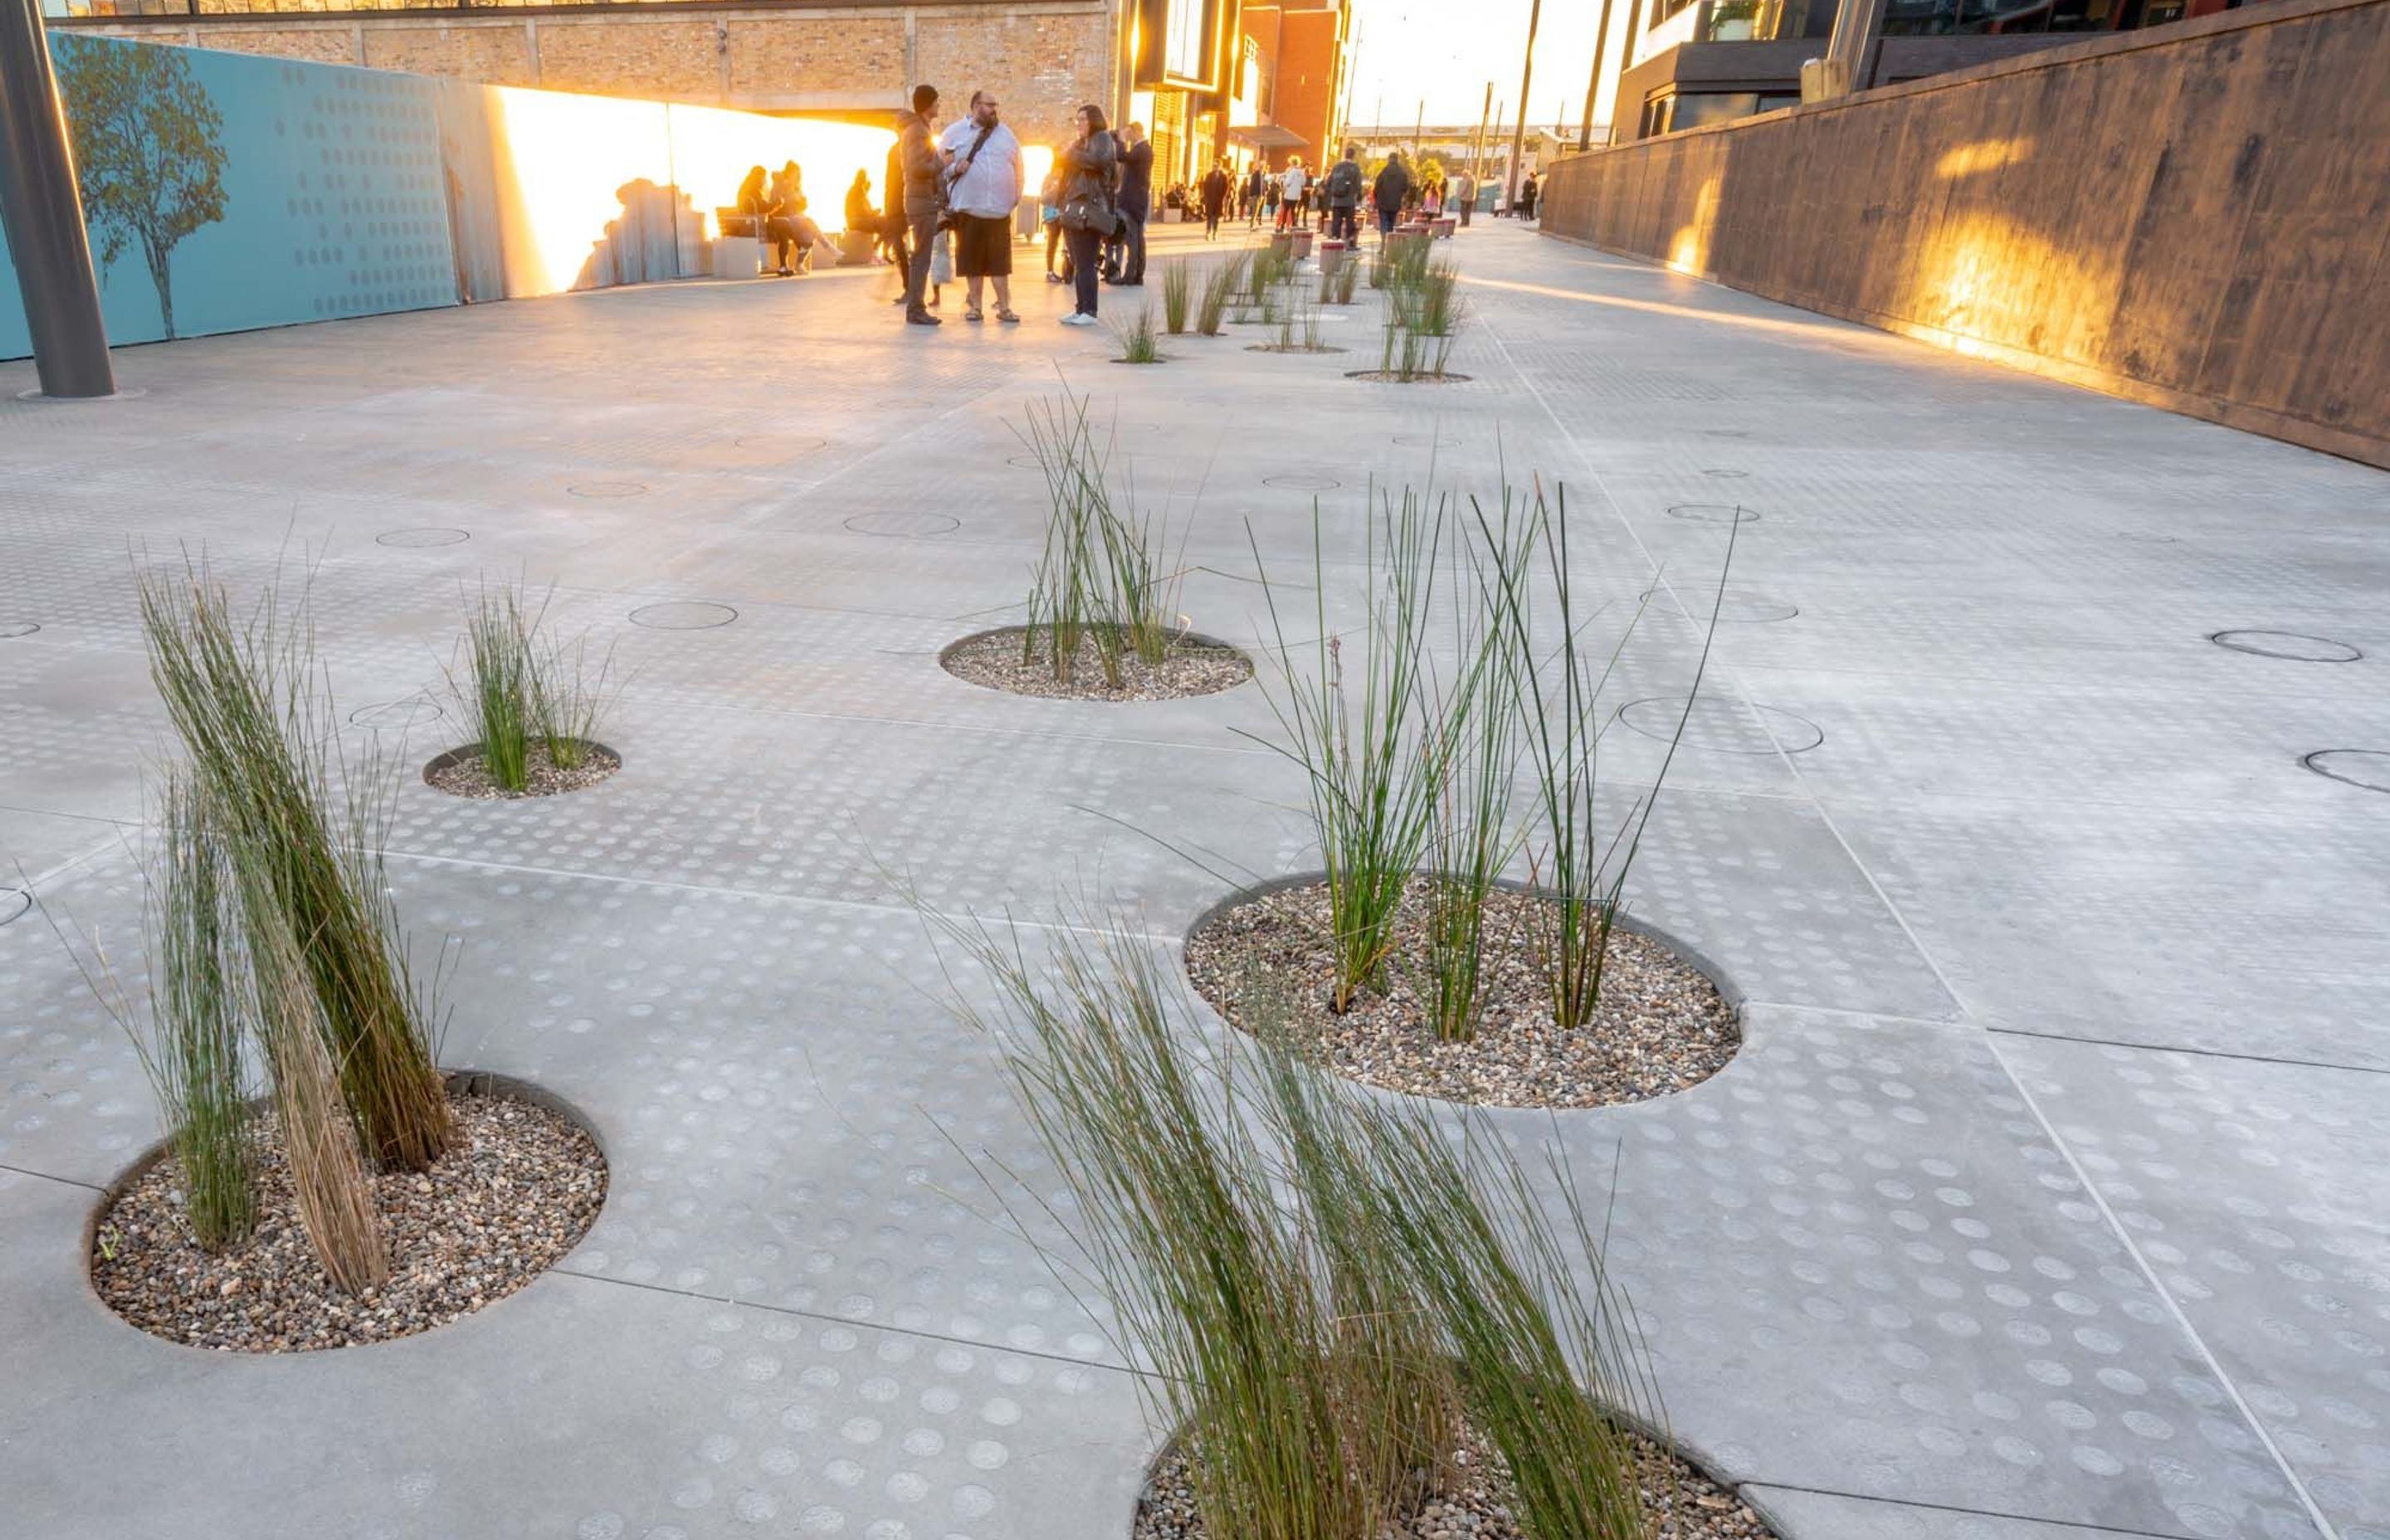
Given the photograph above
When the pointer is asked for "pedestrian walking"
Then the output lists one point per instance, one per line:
(1090, 164)
(1135, 199)
(1527, 197)
(924, 167)
(1257, 183)
(1464, 195)
(1393, 188)
(1216, 198)
(982, 189)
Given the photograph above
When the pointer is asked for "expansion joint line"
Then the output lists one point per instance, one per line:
(2124, 1237)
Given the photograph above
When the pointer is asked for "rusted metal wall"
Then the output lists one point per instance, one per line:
(2197, 216)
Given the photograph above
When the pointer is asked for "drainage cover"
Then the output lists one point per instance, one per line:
(1727, 475)
(1714, 513)
(1025, 462)
(1725, 727)
(2287, 644)
(423, 537)
(607, 489)
(776, 443)
(913, 524)
(683, 615)
(18, 628)
(13, 903)
(398, 716)
(2367, 767)
(1301, 483)
(1424, 441)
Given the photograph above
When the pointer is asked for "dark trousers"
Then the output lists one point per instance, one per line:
(1341, 225)
(1133, 239)
(1465, 208)
(1210, 222)
(923, 230)
(1086, 262)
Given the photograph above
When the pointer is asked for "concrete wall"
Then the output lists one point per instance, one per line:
(1043, 58)
(2195, 216)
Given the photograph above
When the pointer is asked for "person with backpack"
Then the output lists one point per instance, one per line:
(1340, 195)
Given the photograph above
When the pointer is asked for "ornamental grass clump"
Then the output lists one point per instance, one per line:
(1327, 1294)
(517, 691)
(253, 711)
(1362, 732)
(1410, 352)
(1222, 283)
(1469, 835)
(1579, 853)
(1105, 576)
(1177, 295)
(1138, 342)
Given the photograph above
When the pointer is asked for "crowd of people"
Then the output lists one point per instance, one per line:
(950, 198)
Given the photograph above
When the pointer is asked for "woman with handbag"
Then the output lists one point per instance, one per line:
(1089, 215)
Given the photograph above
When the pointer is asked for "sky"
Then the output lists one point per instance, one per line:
(1445, 51)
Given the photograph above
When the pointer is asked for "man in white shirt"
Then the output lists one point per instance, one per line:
(1290, 184)
(983, 189)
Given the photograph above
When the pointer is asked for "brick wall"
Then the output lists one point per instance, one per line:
(1041, 57)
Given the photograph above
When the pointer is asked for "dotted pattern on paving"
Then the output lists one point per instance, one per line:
(1874, 1285)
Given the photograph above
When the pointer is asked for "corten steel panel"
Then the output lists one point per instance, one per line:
(2192, 216)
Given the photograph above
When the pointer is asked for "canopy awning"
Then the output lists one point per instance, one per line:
(1268, 137)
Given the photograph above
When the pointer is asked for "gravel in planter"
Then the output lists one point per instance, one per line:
(1660, 1027)
(517, 1191)
(1682, 1503)
(469, 776)
(1192, 666)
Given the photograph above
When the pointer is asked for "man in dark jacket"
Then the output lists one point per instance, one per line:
(924, 165)
(1394, 186)
(1256, 183)
(1216, 198)
(1340, 196)
(1135, 199)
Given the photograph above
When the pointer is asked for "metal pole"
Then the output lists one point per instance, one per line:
(43, 216)
(1593, 82)
(1527, 78)
(1626, 62)
(1477, 148)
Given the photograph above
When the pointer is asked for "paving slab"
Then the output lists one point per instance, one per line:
(1968, 799)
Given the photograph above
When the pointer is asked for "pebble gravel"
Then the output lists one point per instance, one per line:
(1661, 1024)
(1189, 668)
(517, 1192)
(1679, 1500)
(470, 778)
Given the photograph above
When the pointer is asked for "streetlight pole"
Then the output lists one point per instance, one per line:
(1477, 148)
(1593, 82)
(43, 216)
(1527, 78)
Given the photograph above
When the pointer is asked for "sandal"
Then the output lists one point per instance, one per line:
(1008, 316)
(972, 315)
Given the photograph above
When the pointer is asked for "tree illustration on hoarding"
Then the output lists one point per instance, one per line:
(147, 151)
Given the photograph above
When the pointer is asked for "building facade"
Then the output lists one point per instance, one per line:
(1207, 77)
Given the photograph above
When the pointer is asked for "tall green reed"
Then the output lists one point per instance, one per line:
(255, 713)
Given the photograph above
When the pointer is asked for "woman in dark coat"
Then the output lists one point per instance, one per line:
(1216, 198)
(1090, 164)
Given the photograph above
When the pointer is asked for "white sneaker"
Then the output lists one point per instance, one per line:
(1078, 318)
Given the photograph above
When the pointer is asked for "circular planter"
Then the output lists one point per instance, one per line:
(454, 774)
(1669, 1018)
(459, 1246)
(1703, 1504)
(1389, 377)
(1197, 665)
(2368, 769)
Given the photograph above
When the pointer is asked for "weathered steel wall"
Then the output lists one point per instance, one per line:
(2196, 216)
